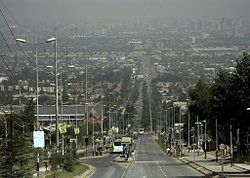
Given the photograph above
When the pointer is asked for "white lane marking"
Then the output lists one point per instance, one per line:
(161, 169)
(125, 171)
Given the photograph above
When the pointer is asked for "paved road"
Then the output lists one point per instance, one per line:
(106, 167)
(151, 162)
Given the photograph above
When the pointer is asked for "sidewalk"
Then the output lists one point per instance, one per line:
(211, 168)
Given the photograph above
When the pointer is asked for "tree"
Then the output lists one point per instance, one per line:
(200, 96)
(222, 107)
(231, 97)
(17, 151)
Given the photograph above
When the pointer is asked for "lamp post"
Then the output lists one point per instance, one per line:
(86, 97)
(93, 135)
(188, 112)
(198, 133)
(216, 139)
(169, 121)
(123, 124)
(37, 89)
(193, 142)
(54, 39)
(101, 117)
(166, 122)
(109, 125)
(87, 120)
(205, 122)
(101, 102)
(172, 121)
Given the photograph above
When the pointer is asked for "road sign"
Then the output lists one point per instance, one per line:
(38, 138)
(77, 130)
(63, 128)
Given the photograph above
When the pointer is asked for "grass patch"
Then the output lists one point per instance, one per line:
(78, 169)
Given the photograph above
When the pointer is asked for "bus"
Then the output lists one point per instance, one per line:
(117, 146)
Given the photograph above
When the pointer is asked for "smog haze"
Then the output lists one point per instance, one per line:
(74, 11)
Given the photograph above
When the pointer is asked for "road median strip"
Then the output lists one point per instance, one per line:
(200, 168)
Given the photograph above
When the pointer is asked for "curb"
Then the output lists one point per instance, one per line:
(240, 168)
(91, 157)
(87, 172)
(207, 172)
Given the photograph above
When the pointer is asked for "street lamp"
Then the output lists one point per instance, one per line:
(37, 101)
(37, 88)
(166, 121)
(198, 133)
(54, 39)
(216, 138)
(93, 135)
(205, 122)
(87, 120)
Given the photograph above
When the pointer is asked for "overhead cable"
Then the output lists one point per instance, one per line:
(13, 35)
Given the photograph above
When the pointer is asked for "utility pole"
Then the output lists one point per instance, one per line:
(56, 83)
(93, 135)
(188, 128)
(101, 116)
(205, 122)
(37, 102)
(172, 134)
(61, 113)
(231, 144)
(180, 133)
(109, 117)
(101, 103)
(76, 127)
(216, 139)
(86, 98)
(166, 121)
(150, 111)
(198, 133)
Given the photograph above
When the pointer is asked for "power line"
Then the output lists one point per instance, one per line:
(7, 45)
(7, 67)
(13, 35)
(4, 5)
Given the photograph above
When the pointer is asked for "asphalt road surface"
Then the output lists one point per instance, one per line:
(106, 167)
(150, 162)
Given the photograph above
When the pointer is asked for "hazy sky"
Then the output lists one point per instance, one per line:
(79, 10)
